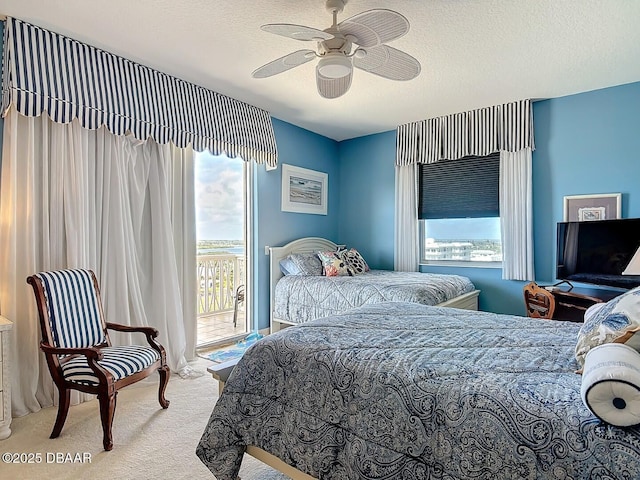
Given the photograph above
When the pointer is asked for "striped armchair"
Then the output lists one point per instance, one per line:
(79, 354)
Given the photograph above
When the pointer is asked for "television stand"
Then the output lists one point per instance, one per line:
(572, 302)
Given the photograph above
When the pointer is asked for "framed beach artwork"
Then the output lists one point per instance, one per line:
(583, 208)
(304, 190)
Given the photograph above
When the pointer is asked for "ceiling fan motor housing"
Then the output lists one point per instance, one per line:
(339, 43)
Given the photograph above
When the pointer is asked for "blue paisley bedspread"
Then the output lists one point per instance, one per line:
(406, 391)
(301, 298)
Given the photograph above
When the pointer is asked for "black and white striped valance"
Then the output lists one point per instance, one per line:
(507, 127)
(47, 72)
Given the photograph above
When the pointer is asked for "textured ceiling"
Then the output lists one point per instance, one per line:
(474, 53)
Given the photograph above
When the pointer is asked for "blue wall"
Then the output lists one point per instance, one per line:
(586, 143)
(273, 227)
(367, 193)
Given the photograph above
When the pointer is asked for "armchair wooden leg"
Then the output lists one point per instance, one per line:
(107, 410)
(164, 380)
(64, 397)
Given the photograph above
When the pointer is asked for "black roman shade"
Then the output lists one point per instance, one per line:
(463, 188)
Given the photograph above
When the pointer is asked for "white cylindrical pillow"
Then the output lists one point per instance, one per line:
(611, 384)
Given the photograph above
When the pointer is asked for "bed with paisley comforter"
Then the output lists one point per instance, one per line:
(407, 391)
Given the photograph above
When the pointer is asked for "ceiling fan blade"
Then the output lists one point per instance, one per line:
(388, 62)
(375, 27)
(333, 87)
(297, 32)
(285, 63)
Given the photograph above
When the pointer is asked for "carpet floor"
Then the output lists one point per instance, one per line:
(149, 442)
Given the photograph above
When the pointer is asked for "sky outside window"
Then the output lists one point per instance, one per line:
(464, 228)
(219, 197)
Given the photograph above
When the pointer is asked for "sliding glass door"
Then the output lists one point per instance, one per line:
(222, 205)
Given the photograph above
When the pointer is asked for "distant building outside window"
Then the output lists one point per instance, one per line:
(461, 240)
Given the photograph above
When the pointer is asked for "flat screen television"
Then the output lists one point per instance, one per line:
(596, 252)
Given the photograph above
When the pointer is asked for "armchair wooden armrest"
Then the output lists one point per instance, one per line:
(93, 353)
(150, 332)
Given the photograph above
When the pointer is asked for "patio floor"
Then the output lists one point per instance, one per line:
(218, 327)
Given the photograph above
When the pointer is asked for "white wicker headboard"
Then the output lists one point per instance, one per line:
(301, 245)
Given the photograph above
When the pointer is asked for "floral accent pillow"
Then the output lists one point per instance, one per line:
(617, 321)
(301, 264)
(355, 261)
(333, 264)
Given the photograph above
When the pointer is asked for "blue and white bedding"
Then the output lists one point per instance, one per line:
(300, 298)
(405, 391)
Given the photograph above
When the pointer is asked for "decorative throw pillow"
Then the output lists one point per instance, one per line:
(333, 264)
(617, 321)
(354, 260)
(301, 264)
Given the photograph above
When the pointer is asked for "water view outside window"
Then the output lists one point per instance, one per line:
(462, 240)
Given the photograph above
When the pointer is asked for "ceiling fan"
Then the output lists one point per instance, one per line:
(359, 41)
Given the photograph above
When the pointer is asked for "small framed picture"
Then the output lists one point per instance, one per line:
(583, 208)
(304, 190)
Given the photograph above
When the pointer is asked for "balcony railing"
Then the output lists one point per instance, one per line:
(219, 277)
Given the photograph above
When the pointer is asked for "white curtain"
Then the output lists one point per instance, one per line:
(180, 171)
(406, 245)
(516, 215)
(72, 197)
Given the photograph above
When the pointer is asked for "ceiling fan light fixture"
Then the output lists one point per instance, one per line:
(335, 65)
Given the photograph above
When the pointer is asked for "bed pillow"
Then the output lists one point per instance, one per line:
(286, 266)
(333, 264)
(617, 321)
(301, 264)
(355, 261)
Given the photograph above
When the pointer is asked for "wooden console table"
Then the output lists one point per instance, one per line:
(571, 303)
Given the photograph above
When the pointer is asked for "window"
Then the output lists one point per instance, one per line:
(459, 211)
